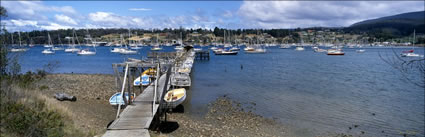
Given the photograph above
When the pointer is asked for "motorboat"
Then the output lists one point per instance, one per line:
(335, 52)
(175, 97)
(411, 54)
(223, 52)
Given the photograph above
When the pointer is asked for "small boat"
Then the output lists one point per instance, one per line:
(213, 48)
(117, 99)
(360, 51)
(72, 49)
(285, 46)
(57, 48)
(175, 97)
(128, 51)
(48, 46)
(335, 52)
(411, 54)
(116, 50)
(86, 52)
(180, 80)
(145, 80)
(319, 50)
(248, 49)
(136, 47)
(299, 48)
(48, 51)
(156, 48)
(259, 50)
(223, 52)
(18, 49)
(234, 49)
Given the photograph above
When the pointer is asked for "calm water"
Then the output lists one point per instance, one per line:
(310, 93)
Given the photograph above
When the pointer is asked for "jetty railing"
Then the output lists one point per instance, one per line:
(122, 92)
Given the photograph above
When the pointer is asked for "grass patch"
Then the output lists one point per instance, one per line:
(31, 120)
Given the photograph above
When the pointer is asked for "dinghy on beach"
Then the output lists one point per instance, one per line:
(144, 80)
(116, 99)
(175, 97)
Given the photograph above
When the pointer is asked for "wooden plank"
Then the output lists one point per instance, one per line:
(139, 114)
(127, 133)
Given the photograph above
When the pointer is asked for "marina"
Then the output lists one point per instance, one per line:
(212, 68)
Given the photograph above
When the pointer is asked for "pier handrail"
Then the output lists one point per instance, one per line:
(156, 88)
(122, 91)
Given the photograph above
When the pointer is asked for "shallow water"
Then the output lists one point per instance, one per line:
(310, 93)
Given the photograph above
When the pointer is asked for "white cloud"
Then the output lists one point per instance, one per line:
(21, 23)
(291, 14)
(65, 19)
(33, 9)
(139, 9)
(54, 26)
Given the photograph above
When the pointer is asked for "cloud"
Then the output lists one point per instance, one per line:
(291, 14)
(33, 9)
(54, 26)
(65, 19)
(20, 23)
(139, 9)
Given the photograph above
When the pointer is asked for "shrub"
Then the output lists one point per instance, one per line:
(35, 120)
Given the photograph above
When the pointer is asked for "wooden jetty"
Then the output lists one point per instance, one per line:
(138, 115)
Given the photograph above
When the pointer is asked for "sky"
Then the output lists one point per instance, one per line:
(53, 15)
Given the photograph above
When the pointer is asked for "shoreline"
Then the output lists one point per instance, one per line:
(91, 112)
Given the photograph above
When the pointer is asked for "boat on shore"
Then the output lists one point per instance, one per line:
(145, 78)
(175, 97)
(117, 99)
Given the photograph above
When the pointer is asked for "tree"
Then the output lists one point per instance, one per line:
(3, 49)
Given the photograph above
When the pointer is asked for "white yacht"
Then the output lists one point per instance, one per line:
(48, 51)
(86, 52)
(299, 48)
(20, 48)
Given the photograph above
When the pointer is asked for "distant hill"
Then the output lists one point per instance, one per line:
(401, 24)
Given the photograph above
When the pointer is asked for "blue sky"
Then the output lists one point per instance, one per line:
(51, 15)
